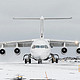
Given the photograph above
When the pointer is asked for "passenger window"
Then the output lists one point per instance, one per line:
(42, 46)
(46, 46)
(37, 46)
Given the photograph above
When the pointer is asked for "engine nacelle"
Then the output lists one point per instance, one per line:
(2, 51)
(64, 50)
(17, 51)
(78, 50)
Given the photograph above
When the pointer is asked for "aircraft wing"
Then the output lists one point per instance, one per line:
(63, 43)
(23, 43)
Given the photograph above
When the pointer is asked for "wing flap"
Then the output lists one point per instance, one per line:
(24, 43)
(60, 43)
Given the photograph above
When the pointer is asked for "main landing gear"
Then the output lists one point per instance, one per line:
(55, 58)
(27, 58)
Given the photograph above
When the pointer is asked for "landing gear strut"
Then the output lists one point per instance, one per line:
(56, 60)
(52, 60)
(25, 61)
(29, 61)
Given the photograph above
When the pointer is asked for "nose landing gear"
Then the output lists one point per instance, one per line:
(39, 61)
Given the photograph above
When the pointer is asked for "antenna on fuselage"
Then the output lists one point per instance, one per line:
(41, 22)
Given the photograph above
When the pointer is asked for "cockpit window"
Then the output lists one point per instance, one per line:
(46, 46)
(33, 46)
(39, 46)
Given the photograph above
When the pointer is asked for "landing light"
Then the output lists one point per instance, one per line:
(76, 42)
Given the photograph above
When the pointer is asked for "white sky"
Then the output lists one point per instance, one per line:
(11, 30)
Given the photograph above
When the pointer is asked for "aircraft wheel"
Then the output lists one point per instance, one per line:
(56, 60)
(39, 61)
(29, 60)
(52, 60)
(25, 61)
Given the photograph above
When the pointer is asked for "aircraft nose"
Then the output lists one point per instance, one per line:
(40, 53)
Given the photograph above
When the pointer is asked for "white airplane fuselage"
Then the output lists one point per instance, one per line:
(40, 49)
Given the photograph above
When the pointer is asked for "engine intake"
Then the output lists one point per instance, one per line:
(2, 51)
(78, 50)
(64, 50)
(17, 51)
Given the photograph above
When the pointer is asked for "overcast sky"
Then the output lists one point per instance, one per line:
(11, 30)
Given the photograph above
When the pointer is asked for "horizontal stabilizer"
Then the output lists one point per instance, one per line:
(41, 18)
(26, 18)
(56, 18)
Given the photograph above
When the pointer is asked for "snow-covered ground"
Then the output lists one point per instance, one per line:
(60, 71)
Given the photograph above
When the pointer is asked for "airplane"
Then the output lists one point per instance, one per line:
(40, 49)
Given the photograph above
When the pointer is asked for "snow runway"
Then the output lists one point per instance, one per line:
(60, 71)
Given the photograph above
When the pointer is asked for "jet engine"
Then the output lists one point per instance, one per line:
(64, 50)
(17, 51)
(2, 51)
(78, 50)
